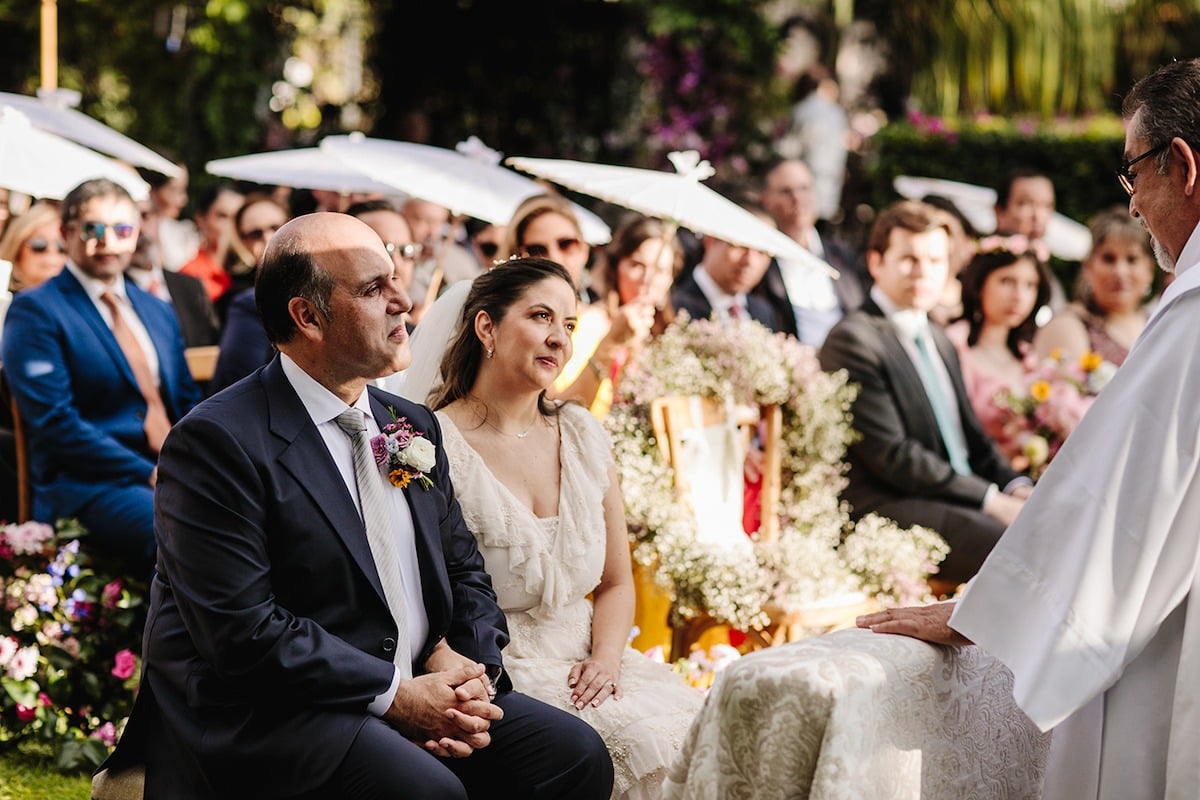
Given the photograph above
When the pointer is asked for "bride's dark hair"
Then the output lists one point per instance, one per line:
(493, 292)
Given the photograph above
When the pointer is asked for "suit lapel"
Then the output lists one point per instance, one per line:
(910, 390)
(77, 298)
(305, 457)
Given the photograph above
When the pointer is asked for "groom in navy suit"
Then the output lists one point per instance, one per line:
(98, 371)
(277, 660)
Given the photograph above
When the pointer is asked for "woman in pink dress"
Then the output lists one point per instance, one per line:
(1002, 288)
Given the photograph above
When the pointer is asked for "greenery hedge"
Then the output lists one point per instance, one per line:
(1080, 156)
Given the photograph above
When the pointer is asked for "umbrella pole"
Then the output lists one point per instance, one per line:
(435, 280)
(49, 44)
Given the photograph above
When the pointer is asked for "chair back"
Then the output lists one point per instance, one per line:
(676, 421)
(24, 482)
(202, 361)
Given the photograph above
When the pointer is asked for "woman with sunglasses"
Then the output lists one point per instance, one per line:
(244, 346)
(33, 243)
(255, 222)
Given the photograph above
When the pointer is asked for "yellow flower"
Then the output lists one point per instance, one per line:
(1056, 354)
(1040, 391)
(1090, 361)
(400, 478)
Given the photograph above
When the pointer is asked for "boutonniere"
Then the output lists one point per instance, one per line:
(403, 453)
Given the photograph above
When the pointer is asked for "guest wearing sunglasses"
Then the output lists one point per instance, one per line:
(384, 218)
(98, 371)
(485, 240)
(33, 244)
(244, 345)
(254, 223)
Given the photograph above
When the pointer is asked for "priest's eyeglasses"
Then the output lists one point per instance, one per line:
(1126, 177)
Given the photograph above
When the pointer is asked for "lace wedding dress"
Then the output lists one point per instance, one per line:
(543, 569)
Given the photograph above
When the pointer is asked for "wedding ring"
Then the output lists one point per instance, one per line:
(612, 685)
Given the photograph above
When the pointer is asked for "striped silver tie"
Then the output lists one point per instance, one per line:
(380, 531)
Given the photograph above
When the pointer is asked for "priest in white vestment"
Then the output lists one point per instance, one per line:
(1089, 597)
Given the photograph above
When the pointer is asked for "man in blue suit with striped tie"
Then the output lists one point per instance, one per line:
(98, 371)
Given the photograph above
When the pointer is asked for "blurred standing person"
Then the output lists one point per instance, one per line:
(818, 128)
(254, 223)
(1116, 284)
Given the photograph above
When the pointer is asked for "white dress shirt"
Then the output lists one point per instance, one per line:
(720, 300)
(324, 407)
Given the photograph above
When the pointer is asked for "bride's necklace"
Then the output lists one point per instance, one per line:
(487, 421)
(518, 434)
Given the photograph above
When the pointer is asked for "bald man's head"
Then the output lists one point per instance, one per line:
(302, 260)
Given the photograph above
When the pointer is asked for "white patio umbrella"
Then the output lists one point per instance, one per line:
(467, 181)
(301, 168)
(41, 164)
(679, 198)
(1066, 238)
(53, 114)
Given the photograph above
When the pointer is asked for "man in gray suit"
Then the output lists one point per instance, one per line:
(923, 458)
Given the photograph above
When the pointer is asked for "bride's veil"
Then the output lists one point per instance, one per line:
(430, 338)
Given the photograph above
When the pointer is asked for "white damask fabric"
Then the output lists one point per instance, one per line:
(855, 714)
(543, 570)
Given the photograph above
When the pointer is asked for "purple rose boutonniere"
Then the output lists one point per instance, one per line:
(404, 454)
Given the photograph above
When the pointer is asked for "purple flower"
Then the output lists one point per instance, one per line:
(379, 449)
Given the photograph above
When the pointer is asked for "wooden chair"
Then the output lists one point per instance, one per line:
(671, 417)
(202, 361)
(24, 482)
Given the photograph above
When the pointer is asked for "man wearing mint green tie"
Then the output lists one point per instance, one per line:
(923, 458)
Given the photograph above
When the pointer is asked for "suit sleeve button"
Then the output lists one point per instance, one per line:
(389, 645)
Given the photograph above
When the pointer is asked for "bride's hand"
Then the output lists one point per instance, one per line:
(592, 683)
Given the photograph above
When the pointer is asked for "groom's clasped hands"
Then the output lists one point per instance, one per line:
(448, 712)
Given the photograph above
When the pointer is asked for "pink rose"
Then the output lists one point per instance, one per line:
(126, 662)
(106, 733)
(28, 538)
(111, 593)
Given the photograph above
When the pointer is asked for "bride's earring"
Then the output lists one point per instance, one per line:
(491, 352)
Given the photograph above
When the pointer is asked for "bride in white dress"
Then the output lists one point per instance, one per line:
(538, 486)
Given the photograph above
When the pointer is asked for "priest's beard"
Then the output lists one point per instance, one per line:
(1165, 262)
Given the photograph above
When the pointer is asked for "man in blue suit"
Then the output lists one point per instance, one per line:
(278, 663)
(98, 371)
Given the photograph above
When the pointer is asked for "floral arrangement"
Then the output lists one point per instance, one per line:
(1040, 414)
(403, 453)
(69, 643)
(819, 552)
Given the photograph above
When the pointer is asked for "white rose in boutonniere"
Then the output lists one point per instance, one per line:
(420, 455)
(403, 453)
